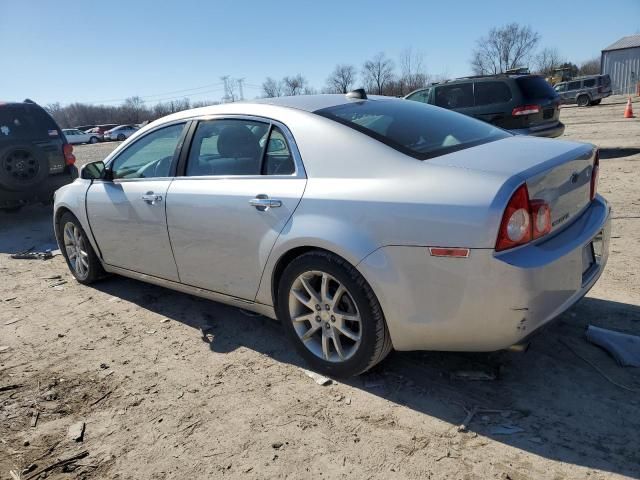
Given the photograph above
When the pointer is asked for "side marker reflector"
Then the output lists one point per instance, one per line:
(449, 252)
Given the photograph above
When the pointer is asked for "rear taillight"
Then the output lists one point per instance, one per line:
(69, 157)
(525, 110)
(540, 218)
(595, 174)
(523, 220)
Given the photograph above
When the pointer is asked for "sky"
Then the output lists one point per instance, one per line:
(103, 52)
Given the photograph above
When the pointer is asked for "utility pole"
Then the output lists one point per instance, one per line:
(227, 90)
(240, 82)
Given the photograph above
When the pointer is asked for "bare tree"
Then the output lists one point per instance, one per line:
(547, 60)
(295, 85)
(377, 73)
(590, 67)
(505, 47)
(413, 73)
(341, 79)
(271, 88)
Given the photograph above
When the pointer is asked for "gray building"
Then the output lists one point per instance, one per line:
(621, 60)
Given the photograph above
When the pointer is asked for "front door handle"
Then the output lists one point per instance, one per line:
(263, 202)
(151, 198)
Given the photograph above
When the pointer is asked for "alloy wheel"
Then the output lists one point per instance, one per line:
(75, 246)
(325, 316)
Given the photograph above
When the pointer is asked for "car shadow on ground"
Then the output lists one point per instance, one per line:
(618, 152)
(30, 228)
(552, 402)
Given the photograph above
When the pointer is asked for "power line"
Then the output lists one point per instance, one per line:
(114, 100)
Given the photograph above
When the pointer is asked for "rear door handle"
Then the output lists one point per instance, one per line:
(151, 198)
(263, 202)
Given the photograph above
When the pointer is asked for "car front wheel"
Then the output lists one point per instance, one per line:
(77, 250)
(93, 140)
(332, 316)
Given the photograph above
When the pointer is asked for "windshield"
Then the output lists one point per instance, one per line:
(419, 130)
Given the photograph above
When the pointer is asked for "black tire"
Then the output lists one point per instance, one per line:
(583, 101)
(121, 137)
(375, 343)
(22, 167)
(93, 140)
(596, 102)
(94, 270)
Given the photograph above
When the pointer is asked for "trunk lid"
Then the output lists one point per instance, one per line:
(557, 172)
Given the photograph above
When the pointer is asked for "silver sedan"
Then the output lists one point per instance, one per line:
(362, 224)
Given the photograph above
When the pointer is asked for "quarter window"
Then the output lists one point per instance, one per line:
(455, 96)
(227, 147)
(278, 159)
(150, 156)
(591, 82)
(487, 93)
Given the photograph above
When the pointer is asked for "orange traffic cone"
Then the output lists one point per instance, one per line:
(628, 112)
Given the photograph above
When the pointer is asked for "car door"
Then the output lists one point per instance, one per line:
(241, 182)
(492, 102)
(127, 211)
(573, 89)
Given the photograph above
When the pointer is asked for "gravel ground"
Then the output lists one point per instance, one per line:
(171, 386)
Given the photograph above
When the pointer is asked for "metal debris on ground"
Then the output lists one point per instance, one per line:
(29, 255)
(624, 348)
(76, 432)
(319, 379)
(4, 348)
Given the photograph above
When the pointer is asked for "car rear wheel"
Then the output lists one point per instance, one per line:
(121, 137)
(93, 140)
(22, 167)
(77, 250)
(596, 102)
(332, 316)
(583, 101)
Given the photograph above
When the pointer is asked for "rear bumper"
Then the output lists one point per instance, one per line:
(549, 131)
(42, 193)
(487, 301)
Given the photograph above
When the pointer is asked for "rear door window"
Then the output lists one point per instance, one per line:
(574, 86)
(420, 96)
(455, 96)
(487, 93)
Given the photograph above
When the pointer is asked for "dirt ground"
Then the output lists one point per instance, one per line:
(171, 386)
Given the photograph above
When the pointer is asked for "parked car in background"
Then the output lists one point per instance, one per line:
(35, 157)
(120, 132)
(84, 128)
(363, 224)
(584, 91)
(522, 104)
(75, 136)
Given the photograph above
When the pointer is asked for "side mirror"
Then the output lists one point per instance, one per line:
(94, 171)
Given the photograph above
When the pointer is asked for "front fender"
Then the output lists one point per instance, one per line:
(72, 197)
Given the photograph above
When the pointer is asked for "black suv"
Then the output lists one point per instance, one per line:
(522, 104)
(35, 158)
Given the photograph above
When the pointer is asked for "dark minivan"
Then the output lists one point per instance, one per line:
(35, 158)
(522, 104)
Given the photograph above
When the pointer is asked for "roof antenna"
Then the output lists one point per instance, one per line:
(358, 94)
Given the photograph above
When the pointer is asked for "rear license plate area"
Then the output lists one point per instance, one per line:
(591, 256)
(547, 113)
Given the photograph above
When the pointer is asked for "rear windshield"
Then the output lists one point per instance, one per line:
(419, 130)
(535, 87)
(26, 122)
